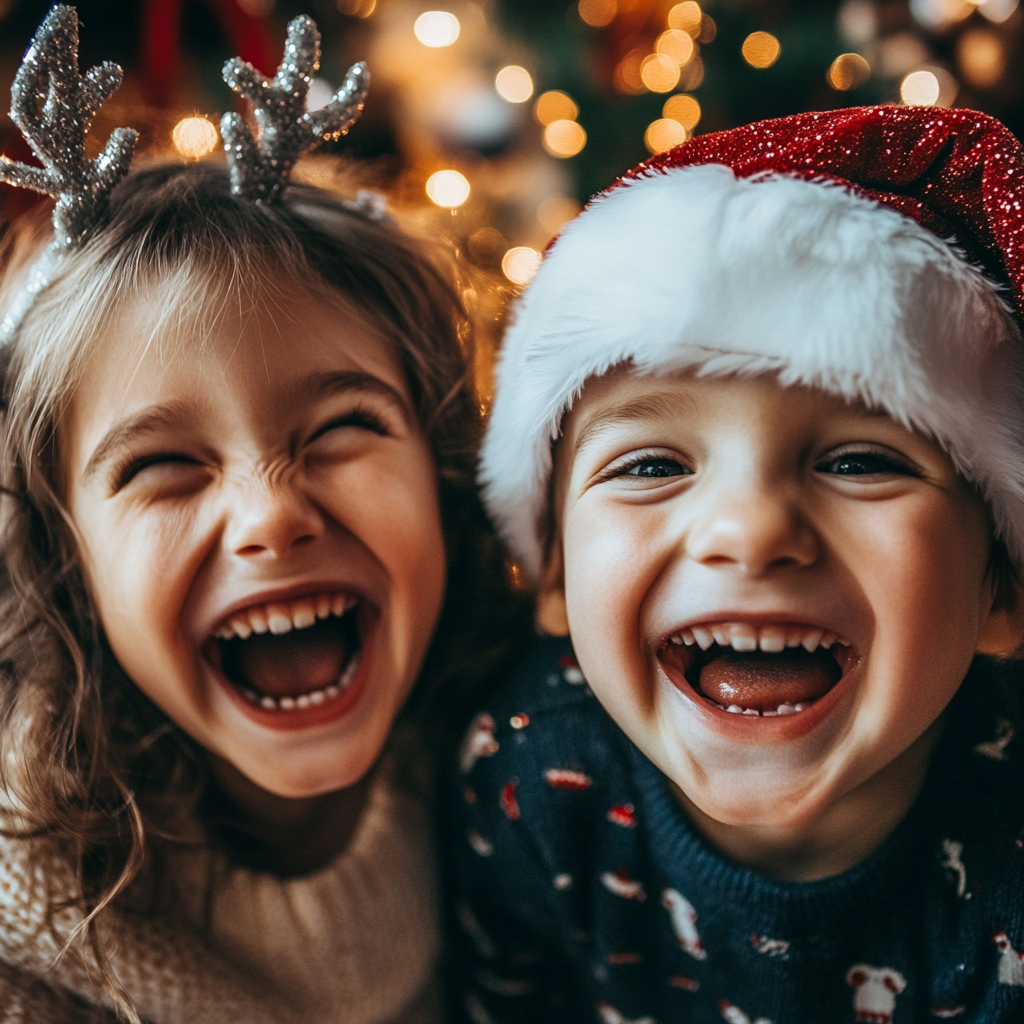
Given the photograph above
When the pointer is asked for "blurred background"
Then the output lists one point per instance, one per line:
(490, 122)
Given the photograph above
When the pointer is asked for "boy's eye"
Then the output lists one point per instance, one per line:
(866, 462)
(655, 467)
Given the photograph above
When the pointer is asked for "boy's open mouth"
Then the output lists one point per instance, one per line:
(290, 655)
(764, 671)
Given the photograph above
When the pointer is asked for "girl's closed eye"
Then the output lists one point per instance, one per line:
(359, 418)
(159, 470)
(867, 461)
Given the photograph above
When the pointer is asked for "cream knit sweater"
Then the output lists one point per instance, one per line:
(354, 943)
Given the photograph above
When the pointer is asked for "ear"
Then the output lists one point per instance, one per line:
(552, 615)
(1002, 633)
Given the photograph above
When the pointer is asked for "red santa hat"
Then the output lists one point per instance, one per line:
(875, 253)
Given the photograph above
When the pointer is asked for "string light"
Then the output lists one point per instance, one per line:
(848, 71)
(920, 89)
(659, 73)
(514, 84)
(598, 13)
(684, 109)
(437, 28)
(195, 137)
(686, 17)
(448, 189)
(555, 105)
(664, 134)
(676, 44)
(564, 138)
(761, 49)
(520, 264)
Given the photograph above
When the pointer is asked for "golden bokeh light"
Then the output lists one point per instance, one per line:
(564, 138)
(920, 89)
(684, 109)
(677, 44)
(357, 8)
(554, 106)
(448, 189)
(437, 28)
(520, 264)
(627, 72)
(659, 73)
(848, 71)
(761, 49)
(664, 134)
(998, 11)
(555, 211)
(598, 13)
(981, 57)
(686, 17)
(195, 137)
(514, 84)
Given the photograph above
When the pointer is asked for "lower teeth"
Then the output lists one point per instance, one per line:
(305, 700)
(782, 709)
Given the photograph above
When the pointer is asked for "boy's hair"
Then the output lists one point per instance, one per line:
(86, 759)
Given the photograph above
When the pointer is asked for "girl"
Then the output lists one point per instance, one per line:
(238, 459)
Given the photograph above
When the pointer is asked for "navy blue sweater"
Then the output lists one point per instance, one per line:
(583, 893)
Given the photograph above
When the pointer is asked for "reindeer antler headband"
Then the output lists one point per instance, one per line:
(53, 107)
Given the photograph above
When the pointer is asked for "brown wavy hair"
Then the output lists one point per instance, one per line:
(87, 761)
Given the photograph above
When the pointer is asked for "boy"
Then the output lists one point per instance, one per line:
(773, 489)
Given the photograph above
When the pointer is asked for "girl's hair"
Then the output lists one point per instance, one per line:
(87, 761)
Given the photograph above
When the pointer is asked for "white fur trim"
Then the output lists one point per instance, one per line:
(694, 269)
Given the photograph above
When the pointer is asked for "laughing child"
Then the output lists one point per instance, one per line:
(758, 438)
(239, 534)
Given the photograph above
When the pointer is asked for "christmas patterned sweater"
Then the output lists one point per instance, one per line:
(583, 894)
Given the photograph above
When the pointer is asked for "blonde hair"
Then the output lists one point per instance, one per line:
(87, 761)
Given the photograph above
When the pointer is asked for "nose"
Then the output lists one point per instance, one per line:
(271, 519)
(752, 526)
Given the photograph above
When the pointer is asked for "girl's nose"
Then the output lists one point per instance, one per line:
(271, 519)
(753, 528)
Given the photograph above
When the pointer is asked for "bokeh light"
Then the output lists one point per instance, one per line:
(514, 84)
(761, 49)
(555, 211)
(437, 28)
(920, 89)
(848, 71)
(357, 8)
(448, 189)
(659, 73)
(555, 105)
(686, 17)
(998, 10)
(664, 134)
(520, 264)
(676, 44)
(684, 109)
(627, 72)
(195, 137)
(564, 139)
(598, 13)
(940, 14)
(981, 57)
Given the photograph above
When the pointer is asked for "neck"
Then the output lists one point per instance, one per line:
(279, 834)
(851, 829)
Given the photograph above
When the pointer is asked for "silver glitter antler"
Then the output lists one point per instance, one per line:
(53, 106)
(260, 169)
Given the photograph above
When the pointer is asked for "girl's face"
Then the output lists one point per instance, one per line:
(260, 531)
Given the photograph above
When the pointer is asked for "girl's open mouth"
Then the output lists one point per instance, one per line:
(763, 671)
(294, 655)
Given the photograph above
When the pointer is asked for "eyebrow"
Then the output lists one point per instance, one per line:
(175, 414)
(659, 405)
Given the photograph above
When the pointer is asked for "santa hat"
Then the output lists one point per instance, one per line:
(866, 252)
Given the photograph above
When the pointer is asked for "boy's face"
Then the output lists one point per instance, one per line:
(844, 548)
(259, 522)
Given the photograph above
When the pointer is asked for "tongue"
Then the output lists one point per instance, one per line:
(292, 664)
(764, 681)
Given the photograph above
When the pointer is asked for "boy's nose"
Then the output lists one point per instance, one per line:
(271, 519)
(754, 529)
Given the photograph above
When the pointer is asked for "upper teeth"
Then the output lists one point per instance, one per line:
(283, 616)
(742, 636)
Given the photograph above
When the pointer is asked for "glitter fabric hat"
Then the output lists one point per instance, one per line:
(875, 253)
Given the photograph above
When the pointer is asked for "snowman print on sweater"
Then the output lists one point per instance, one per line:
(684, 922)
(1011, 963)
